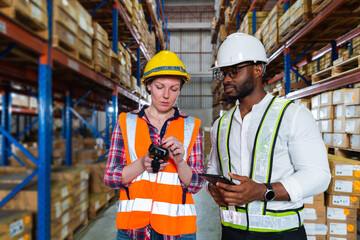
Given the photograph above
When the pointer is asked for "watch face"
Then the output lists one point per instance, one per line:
(270, 195)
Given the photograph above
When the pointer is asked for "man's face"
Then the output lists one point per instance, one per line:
(240, 83)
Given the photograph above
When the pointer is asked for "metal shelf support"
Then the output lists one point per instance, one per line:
(107, 126)
(115, 112)
(68, 127)
(115, 29)
(138, 65)
(94, 121)
(287, 69)
(6, 125)
(45, 144)
(334, 52)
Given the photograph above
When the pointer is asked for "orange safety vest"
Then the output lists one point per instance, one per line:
(156, 198)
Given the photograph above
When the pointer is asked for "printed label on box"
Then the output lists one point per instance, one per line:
(58, 209)
(70, 38)
(310, 214)
(311, 238)
(343, 170)
(72, 64)
(336, 213)
(350, 125)
(82, 196)
(36, 12)
(97, 204)
(343, 186)
(341, 200)
(16, 227)
(64, 232)
(336, 238)
(83, 206)
(64, 192)
(82, 216)
(65, 218)
(338, 229)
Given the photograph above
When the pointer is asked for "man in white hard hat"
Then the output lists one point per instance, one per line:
(270, 148)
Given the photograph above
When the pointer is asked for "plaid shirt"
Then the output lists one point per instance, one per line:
(117, 161)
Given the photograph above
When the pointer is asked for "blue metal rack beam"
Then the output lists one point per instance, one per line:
(5, 125)
(68, 127)
(27, 129)
(115, 29)
(99, 6)
(115, 109)
(7, 51)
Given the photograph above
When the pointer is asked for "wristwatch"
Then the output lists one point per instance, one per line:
(269, 194)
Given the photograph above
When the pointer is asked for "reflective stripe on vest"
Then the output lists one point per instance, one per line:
(157, 199)
(260, 172)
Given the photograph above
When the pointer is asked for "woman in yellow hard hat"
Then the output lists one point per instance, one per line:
(156, 183)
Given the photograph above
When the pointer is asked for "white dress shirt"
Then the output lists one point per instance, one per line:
(300, 160)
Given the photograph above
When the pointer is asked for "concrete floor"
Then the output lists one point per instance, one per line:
(208, 221)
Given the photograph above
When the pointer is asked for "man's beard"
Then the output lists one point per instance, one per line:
(242, 91)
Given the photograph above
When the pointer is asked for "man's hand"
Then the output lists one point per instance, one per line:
(147, 163)
(246, 192)
(215, 193)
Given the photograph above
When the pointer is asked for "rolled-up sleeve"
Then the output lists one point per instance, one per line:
(309, 157)
(197, 166)
(116, 160)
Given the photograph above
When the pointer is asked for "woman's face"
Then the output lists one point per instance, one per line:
(164, 92)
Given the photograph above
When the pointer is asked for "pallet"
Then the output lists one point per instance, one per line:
(319, 5)
(21, 15)
(292, 30)
(345, 152)
(103, 71)
(78, 229)
(346, 67)
(64, 47)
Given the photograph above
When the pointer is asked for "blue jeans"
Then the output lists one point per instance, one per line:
(121, 235)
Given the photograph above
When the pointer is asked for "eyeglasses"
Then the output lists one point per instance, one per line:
(232, 72)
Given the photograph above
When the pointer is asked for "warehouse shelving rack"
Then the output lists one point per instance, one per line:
(44, 76)
(335, 10)
(279, 68)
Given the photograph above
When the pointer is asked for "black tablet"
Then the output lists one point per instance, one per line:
(213, 178)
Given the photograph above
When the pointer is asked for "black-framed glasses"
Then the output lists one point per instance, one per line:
(232, 72)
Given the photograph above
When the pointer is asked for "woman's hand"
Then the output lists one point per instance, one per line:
(147, 163)
(176, 149)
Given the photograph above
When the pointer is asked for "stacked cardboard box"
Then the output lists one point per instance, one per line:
(343, 198)
(247, 24)
(101, 49)
(27, 199)
(300, 10)
(315, 216)
(284, 23)
(99, 193)
(79, 177)
(65, 26)
(273, 17)
(85, 33)
(15, 225)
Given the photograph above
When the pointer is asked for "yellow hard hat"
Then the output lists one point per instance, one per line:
(165, 63)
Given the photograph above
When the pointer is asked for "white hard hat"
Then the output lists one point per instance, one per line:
(238, 48)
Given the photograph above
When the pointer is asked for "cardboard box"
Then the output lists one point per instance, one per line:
(338, 96)
(317, 200)
(339, 125)
(315, 215)
(355, 142)
(352, 96)
(326, 112)
(353, 125)
(342, 230)
(96, 177)
(341, 140)
(349, 187)
(328, 139)
(327, 125)
(317, 229)
(315, 102)
(326, 99)
(100, 34)
(352, 111)
(342, 201)
(340, 111)
(14, 224)
(316, 113)
(341, 214)
(343, 168)
(74, 174)
(316, 237)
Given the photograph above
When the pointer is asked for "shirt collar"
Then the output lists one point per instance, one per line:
(260, 105)
(141, 113)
